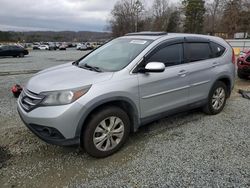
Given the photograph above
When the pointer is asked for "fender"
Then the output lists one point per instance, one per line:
(136, 118)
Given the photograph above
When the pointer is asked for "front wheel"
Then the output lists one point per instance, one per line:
(106, 132)
(241, 76)
(216, 99)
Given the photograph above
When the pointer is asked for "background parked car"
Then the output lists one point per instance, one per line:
(243, 64)
(13, 50)
(78, 46)
(43, 47)
(36, 46)
(62, 47)
(83, 47)
(52, 46)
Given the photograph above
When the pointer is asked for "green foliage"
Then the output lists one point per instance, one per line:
(5, 36)
(194, 13)
(174, 22)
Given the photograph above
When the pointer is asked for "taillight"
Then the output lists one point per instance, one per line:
(233, 56)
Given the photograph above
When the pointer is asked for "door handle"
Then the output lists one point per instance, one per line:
(215, 64)
(182, 73)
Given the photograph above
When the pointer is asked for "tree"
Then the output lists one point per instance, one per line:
(174, 21)
(5, 36)
(126, 17)
(194, 13)
(213, 9)
(161, 14)
(231, 17)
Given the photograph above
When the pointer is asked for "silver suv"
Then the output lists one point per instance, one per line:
(131, 81)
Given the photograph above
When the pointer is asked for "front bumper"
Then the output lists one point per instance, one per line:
(54, 124)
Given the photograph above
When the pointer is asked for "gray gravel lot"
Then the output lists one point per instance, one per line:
(186, 150)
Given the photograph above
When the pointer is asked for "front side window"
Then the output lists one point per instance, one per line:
(115, 55)
(170, 55)
(198, 51)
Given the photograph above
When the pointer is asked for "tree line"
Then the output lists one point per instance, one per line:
(215, 17)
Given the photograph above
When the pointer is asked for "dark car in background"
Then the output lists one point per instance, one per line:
(243, 64)
(13, 50)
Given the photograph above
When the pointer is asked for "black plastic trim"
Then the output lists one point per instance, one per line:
(158, 116)
(135, 124)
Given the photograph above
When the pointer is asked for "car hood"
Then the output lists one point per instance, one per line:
(65, 77)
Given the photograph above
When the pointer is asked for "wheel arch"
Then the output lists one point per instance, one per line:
(227, 81)
(124, 103)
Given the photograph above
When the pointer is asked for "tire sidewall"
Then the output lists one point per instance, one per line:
(96, 118)
(214, 88)
(21, 55)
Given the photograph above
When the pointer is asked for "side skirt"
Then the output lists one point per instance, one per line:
(155, 117)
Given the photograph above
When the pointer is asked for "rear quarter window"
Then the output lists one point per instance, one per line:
(217, 49)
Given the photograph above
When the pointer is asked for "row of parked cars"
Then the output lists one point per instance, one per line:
(87, 46)
(49, 46)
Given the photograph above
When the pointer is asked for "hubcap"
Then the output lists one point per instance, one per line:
(108, 134)
(218, 98)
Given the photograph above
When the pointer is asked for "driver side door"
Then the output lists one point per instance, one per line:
(166, 91)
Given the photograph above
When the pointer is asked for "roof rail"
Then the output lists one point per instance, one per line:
(148, 33)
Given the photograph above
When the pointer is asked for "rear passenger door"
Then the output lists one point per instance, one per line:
(160, 92)
(201, 68)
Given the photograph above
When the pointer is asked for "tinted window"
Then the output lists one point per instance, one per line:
(170, 55)
(5, 47)
(198, 51)
(217, 49)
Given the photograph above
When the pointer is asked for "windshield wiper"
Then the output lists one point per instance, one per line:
(97, 69)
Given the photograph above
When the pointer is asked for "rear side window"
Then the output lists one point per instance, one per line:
(198, 51)
(217, 49)
(169, 55)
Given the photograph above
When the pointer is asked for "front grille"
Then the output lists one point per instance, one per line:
(30, 100)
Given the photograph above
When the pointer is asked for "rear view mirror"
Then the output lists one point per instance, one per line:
(154, 67)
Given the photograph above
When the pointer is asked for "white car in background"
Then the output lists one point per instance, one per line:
(81, 46)
(43, 47)
(78, 46)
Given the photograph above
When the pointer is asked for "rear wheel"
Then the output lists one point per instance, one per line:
(21, 55)
(216, 99)
(106, 132)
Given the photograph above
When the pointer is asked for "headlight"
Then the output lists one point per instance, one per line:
(54, 98)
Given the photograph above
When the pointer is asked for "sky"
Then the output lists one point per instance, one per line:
(55, 15)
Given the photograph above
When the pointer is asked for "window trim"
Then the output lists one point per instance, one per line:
(161, 45)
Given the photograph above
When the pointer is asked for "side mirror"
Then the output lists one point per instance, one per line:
(153, 67)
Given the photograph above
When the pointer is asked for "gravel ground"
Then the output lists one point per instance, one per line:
(186, 150)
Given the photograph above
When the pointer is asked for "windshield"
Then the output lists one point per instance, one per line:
(115, 55)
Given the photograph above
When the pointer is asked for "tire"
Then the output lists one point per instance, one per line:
(99, 126)
(241, 76)
(211, 108)
(21, 55)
